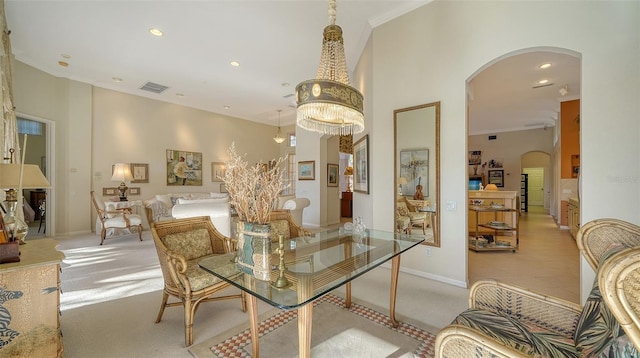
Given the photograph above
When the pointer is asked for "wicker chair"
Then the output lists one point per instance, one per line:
(180, 244)
(115, 219)
(508, 321)
(282, 223)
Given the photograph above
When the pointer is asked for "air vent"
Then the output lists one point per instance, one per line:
(544, 85)
(153, 87)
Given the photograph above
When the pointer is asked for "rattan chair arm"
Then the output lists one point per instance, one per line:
(596, 237)
(619, 281)
(177, 269)
(461, 341)
(553, 313)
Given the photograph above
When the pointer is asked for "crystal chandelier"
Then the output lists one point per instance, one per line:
(278, 138)
(328, 104)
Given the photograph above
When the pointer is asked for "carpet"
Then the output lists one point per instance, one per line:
(337, 332)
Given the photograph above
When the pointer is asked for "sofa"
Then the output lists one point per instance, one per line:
(294, 205)
(186, 205)
(508, 321)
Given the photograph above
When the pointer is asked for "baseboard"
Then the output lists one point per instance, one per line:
(429, 276)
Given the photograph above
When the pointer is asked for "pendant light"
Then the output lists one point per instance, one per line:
(328, 104)
(278, 138)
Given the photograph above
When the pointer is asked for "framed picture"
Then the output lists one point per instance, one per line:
(110, 191)
(496, 177)
(414, 166)
(134, 191)
(140, 172)
(223, 188)
(218, 170)
(332, 174)
(361, 165)
(307, 170)
(184, 168)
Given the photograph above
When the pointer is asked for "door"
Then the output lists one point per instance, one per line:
(536, 186)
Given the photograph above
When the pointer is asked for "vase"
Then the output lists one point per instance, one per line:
(254, 250)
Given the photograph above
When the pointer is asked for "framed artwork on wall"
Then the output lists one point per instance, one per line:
(218, 170)
(134, 191)
(496, 177)
(361, 165)
(140, 172)
(109, 191)
(307, 170)
(184, 168)
(332, 174)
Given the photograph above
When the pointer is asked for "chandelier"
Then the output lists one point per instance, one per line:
(328, 104)
(278, 138)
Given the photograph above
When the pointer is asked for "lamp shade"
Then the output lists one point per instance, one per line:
(402, 181)
(32, 177)
(122, 172)
(348, 171)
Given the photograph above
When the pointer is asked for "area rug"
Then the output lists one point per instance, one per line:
(337, 332)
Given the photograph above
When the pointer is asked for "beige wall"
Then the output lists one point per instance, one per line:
(428, 55)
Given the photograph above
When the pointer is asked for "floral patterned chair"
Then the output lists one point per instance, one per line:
(509, 321)
(180, 244)
(416, 218)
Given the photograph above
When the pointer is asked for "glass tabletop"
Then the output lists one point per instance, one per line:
(314, 265)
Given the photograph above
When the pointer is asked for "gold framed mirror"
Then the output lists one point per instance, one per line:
(417, 171)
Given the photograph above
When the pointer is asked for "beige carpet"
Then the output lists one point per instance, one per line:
(337, 332)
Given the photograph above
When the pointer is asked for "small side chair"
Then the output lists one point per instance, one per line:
(115, 218)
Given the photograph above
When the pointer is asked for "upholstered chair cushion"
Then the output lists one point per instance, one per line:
(402, 209)
(280, 227)
(199, 278)
(190, 244)
(598, 333)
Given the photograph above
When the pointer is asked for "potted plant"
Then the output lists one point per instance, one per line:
(253, 191)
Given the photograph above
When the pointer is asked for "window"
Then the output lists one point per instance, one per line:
(292, 140)
(26, 126)
(290, 174)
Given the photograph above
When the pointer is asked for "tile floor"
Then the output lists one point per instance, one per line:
(548, 260)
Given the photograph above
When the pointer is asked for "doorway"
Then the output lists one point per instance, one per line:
(535, 187)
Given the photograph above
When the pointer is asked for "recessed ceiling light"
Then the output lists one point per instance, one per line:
(180, 94)
(64, 55)
(116, 79)
(227, 107)
(63, 64)
(155, 32)
(234, 63)
(544, 65)
(541, 82)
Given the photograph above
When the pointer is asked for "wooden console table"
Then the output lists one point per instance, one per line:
(346, 204)
(31, 293)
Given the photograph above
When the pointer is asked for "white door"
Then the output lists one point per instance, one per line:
(535, 190)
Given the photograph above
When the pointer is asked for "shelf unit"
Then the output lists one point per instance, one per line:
(497, 228)
(524, 186)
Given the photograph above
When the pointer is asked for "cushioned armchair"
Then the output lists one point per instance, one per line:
(294, 205)
(112, 218)
(282, 222)
(180, 244)
(416, 218)
(508, 321)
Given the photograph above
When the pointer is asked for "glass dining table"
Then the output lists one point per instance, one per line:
(306, 268)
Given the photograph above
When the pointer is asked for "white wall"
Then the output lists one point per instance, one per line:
(428, 55)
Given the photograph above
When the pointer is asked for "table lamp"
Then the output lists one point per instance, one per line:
(348, 171)
(122, 173)
(401, 181)
(32, 178)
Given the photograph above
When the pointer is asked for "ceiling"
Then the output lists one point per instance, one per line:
(277, 43)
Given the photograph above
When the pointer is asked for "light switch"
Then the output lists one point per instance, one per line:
(451, 205)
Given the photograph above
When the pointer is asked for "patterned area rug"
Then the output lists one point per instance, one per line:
(337, 332)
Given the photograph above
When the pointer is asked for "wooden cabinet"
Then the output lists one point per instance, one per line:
(346, 204)
(573, 216)
(509, 199)
(30, 302)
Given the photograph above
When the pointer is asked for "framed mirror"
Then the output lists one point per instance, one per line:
(417, 171)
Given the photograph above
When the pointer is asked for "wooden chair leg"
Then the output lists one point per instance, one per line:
(188, 322)
(243, 301)
(424, 227)
(103, 234)
(165, 298)
(140, 232)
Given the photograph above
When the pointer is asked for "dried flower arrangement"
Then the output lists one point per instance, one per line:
(253, 190)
